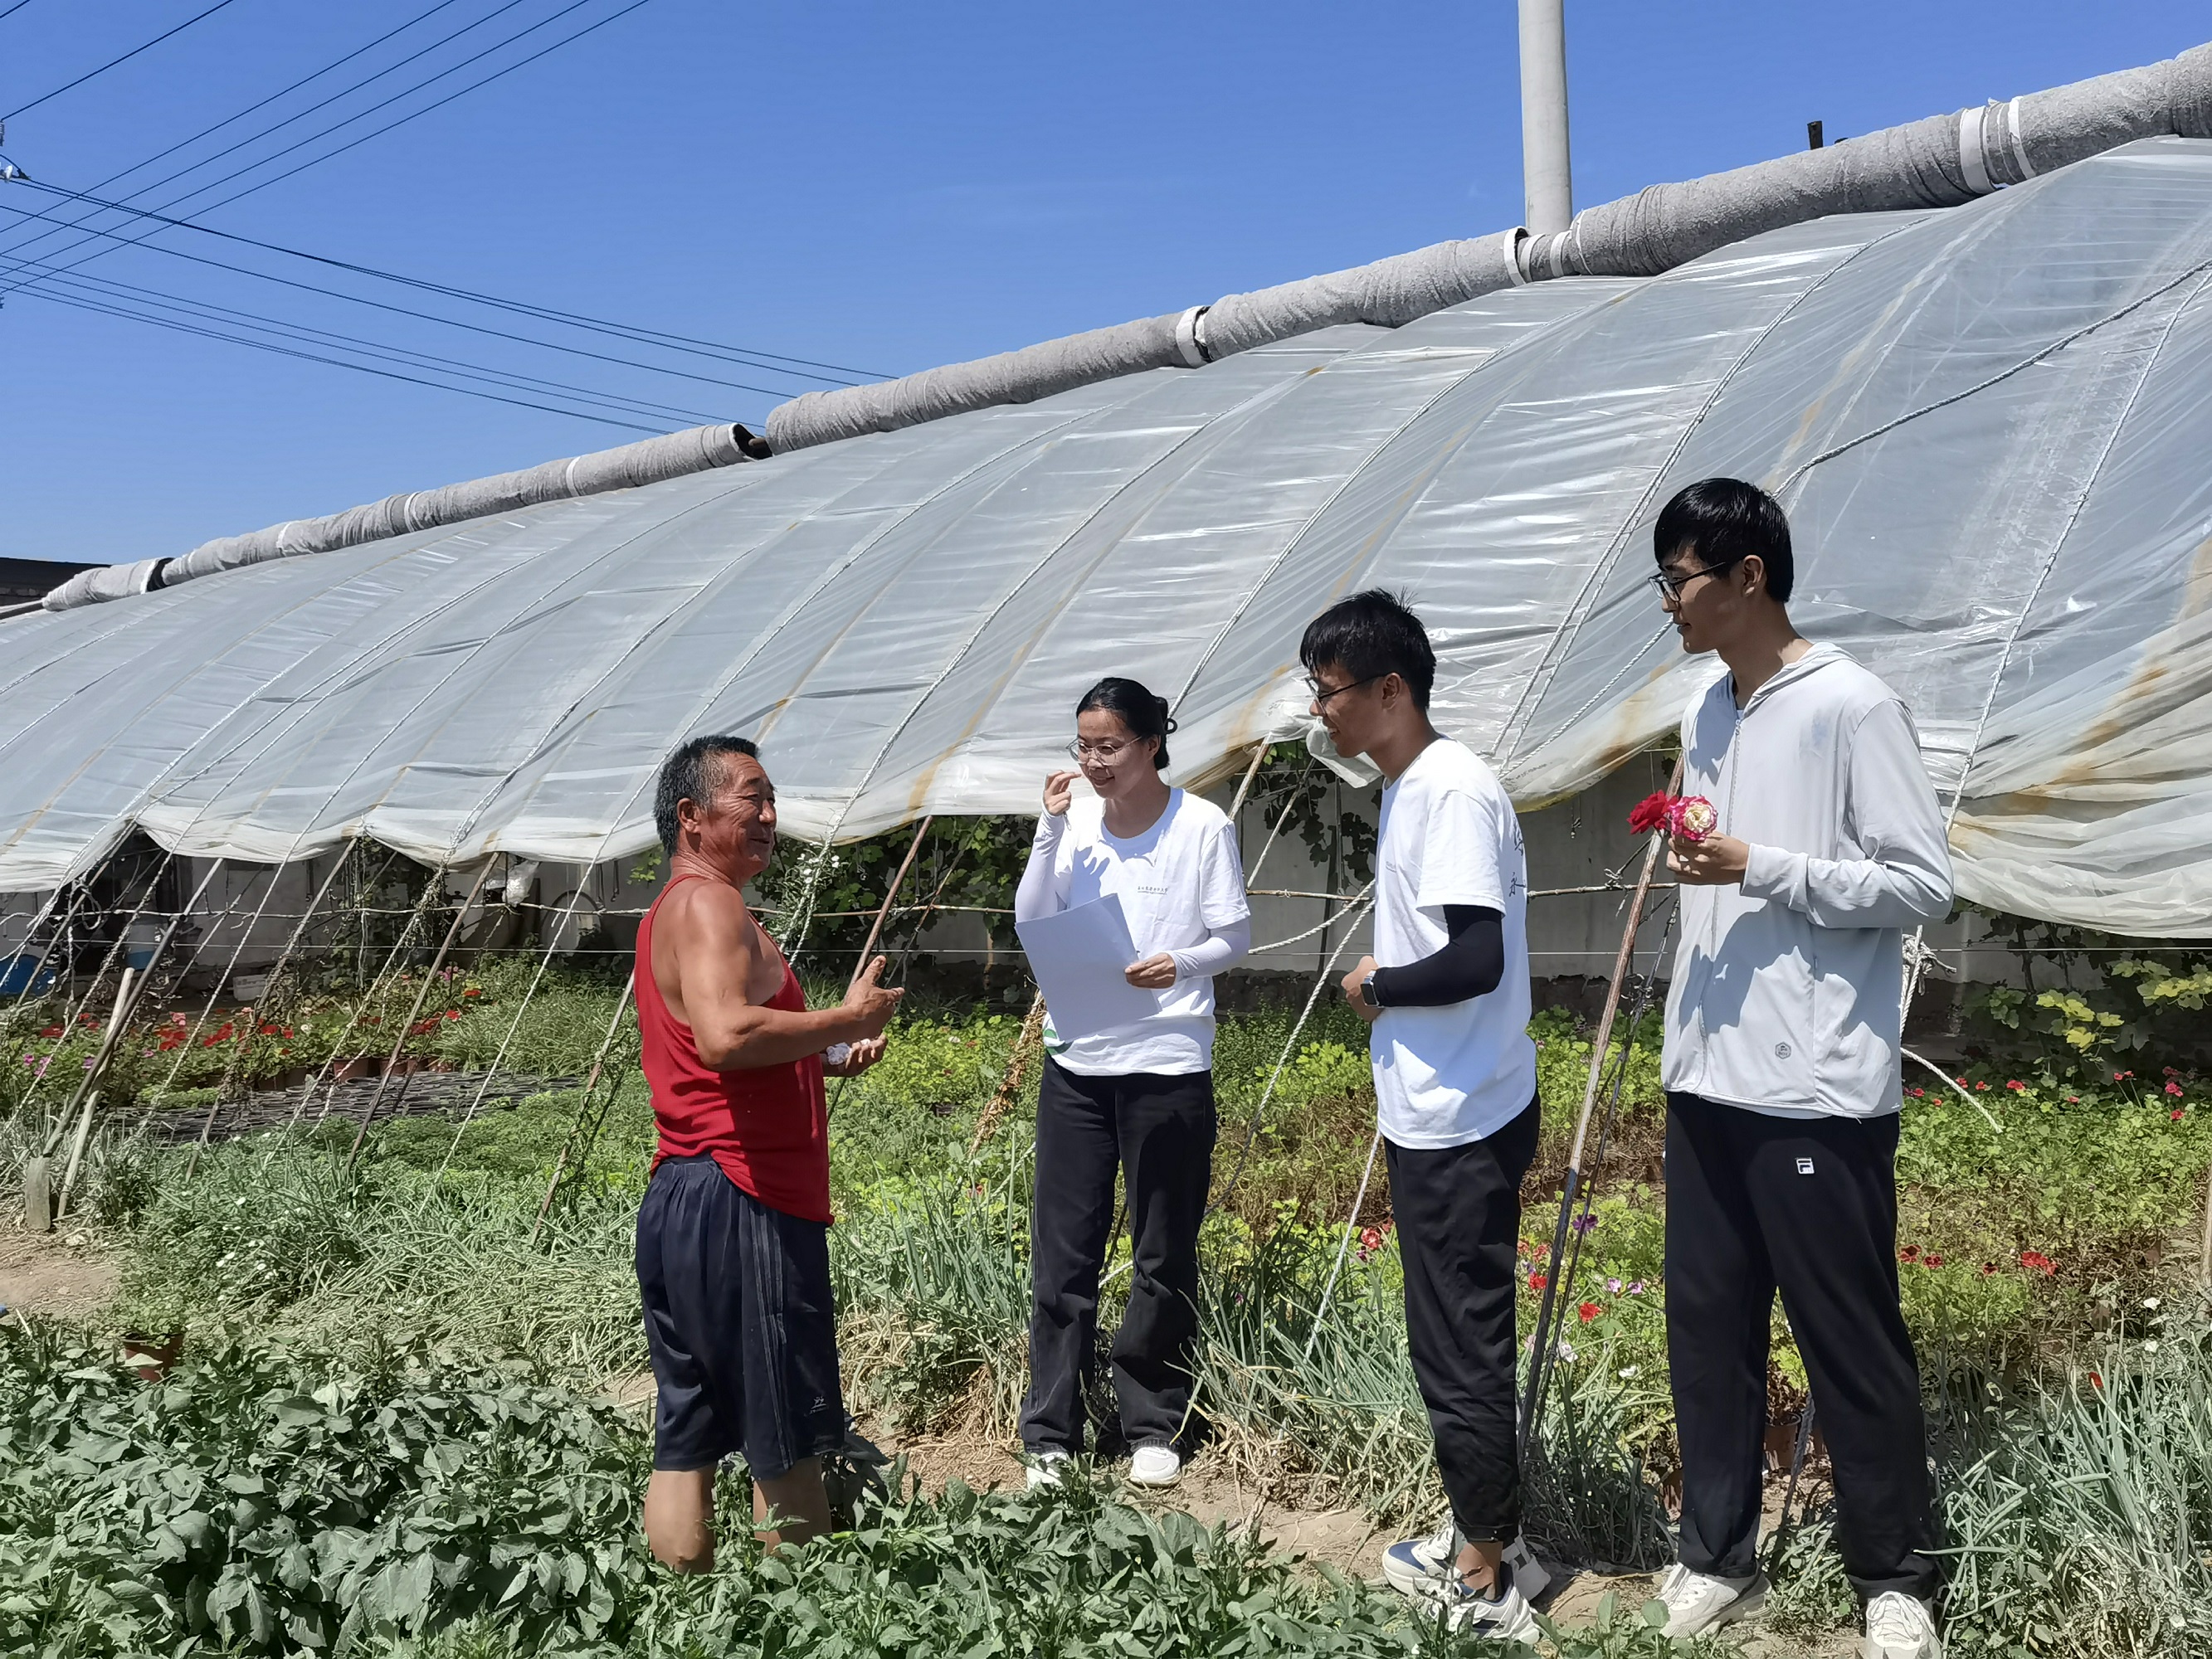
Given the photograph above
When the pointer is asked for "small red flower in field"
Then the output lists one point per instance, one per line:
(1931, 1259)
(2173, 1088)
(1537, 1281)
(2015, 1084)
(2039, 1262)
(1988, 1268)
(1960, 1081)
(88, 1019)
(2095, 1381)
(1650, 813)
(49, 1030)
(1918, 1094)
(2073, 1100)
(1588, 1311)
(2169, 1071)
(2121, 1077)
(2176, 1114)
(1984, 1087)
(1909, 1253)
(1370, 1239)
(274, 1030)
(452, 1013)
(472, 992)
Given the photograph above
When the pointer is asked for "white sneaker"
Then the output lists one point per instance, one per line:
(1417, 1567)
(1697, 1603)
(1508, 1618)
(1155, 1466)
(1900, 1627)
(1045, 1470)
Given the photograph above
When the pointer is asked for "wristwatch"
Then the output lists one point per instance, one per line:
(1367, 993)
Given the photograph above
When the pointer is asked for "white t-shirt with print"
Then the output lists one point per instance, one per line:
(1448, 1075)
(1178, 882)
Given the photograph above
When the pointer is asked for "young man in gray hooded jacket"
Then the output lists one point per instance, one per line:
(1784, 1023)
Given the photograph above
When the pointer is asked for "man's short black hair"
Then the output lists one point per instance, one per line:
(1369, 636)
(693, 772)
(1721, 520)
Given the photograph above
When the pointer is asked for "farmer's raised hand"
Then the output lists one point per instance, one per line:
(1058, 790)
(871, 1004)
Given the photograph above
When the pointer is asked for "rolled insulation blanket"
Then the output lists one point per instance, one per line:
(674, 455)
(1390, 291)
(1936, 162)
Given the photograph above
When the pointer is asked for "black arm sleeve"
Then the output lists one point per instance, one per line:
(1470, 964)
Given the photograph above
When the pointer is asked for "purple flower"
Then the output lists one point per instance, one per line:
(1613, 1285)
(1585, 1221)
(1636, 1287)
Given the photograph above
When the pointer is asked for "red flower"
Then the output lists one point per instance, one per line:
(1537, 1281)
(1931, 1259)
(472, 992)
(1960, 1081)
(49, 1030)
(2169, 1071)
(1370, 1239)
(1984, 1087)
(1988, 1268)
(1909, 1253)
(452, 1013)
(2038, 1261)
(2176, 1114)
(2015, 1084)
(1918, 1094)
(2119, 1077)
(1588, 1311)
(2173, 1088)
(274, 1030)
(1653, 812)
(2095, 1381)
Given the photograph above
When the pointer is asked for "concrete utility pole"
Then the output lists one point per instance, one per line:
(1547, 174)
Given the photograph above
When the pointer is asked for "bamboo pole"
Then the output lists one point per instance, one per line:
(876, 929)
(590, 1083)
(1572, 1186)
(414, 1013)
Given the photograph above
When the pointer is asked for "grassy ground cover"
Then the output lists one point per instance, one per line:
(2042, 1268)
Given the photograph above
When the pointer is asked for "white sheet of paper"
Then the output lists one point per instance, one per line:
(1077, 957)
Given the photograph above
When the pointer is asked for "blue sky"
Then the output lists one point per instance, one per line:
(885, 187)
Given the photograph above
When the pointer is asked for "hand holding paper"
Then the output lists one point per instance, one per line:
(1080, 957)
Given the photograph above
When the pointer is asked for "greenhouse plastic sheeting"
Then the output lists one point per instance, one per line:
(1989, 424)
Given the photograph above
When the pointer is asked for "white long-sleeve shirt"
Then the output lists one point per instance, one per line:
(1182, 887)
(1787, 988)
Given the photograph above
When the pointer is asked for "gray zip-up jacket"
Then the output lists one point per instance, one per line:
(1786, 990)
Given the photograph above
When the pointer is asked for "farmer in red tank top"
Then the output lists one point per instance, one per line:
(733, 1236)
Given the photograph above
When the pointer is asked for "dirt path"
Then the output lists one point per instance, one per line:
(66, 1274)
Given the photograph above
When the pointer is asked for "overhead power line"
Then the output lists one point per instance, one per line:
(42, 271)
(13, 9)
(334, 98)
(68, 86)
(574, 319)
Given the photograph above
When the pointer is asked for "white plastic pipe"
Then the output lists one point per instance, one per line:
(1546, 170)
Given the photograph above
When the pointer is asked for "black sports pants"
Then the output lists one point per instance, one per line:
(1158, 1130)
(1807, 1206)
(1458, 1211)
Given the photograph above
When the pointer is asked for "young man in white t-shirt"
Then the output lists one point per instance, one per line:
(1446, 995)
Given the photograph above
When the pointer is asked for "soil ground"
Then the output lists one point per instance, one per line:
(1345, 1539)
(66, 1273)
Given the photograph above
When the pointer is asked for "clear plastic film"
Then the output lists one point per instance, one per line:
(1987, 422)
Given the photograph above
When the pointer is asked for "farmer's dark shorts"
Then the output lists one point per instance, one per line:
(738, 1321)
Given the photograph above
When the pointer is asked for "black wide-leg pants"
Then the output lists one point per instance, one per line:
(1809, 1206)
(1158, 1132)
(1458, 1211)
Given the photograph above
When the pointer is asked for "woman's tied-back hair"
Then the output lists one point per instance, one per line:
(693, 772)
(1145, 714)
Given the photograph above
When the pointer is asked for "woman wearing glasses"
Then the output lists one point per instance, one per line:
(1138, 1097)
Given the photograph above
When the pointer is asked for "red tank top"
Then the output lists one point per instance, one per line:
(768, 1127)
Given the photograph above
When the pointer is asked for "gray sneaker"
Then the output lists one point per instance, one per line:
(1422, 1567)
